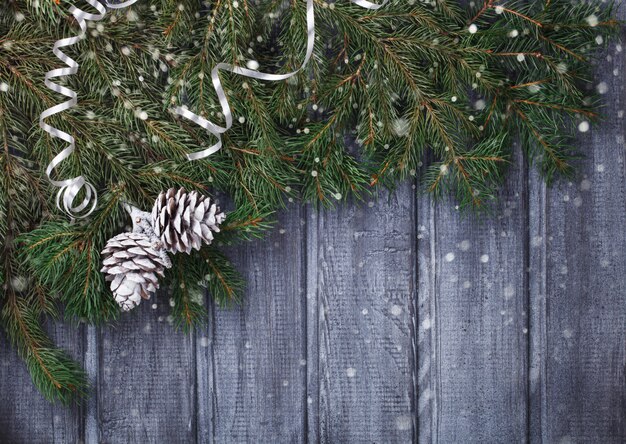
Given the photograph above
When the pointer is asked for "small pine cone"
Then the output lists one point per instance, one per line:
(185, 221)
(133, 263)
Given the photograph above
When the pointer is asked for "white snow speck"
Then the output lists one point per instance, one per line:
(592, 20)
(602, 88)
(473, 29)
(484, 258)
(509, 292)
(252, 64)
(400, 127)
(396, 310)
(449, 257)
(19, 283)
(351, 372)
(568, 333)
(583, 126)
(424, 400)
(465, 245)
(585, 185)
(4, 87)
(404, 422)
(204, 342)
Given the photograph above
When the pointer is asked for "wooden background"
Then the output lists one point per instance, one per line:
(393, 321)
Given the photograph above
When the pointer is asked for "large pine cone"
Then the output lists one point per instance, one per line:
(185, 221)
(133, 263)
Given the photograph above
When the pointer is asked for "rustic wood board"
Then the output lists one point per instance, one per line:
(146, 386)
(578, 286)
(361, 298)
(472, 320)
(257, 354)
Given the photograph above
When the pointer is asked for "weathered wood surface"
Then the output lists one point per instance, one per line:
(392, 321)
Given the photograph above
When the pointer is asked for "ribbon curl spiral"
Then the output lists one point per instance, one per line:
(69, 188)
(217, 130)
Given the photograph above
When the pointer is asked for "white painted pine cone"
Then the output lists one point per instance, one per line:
(185, 221)
(133, 263)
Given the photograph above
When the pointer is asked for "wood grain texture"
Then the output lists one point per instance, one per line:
(257, 356)
(146, 378)
(472, 307)
(578, 272)
(25, 415)
(363, 305)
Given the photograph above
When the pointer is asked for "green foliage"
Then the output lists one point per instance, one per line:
(410, 84)
(54, 373)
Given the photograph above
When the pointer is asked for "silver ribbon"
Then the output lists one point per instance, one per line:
(69, 188)
(217, 130)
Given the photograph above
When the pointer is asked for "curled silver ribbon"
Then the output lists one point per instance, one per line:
(69, 188)
(217, 130)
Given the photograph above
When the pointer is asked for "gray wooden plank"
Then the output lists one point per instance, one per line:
(90, 407)
(205, 386)
(578, 273)
(472, 307)
(146, 378)
(258, 366)
(25, 415)
(362, 301)
(313, 328)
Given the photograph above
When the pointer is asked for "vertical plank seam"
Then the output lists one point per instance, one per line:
(304, 343)
(312, 334)
(213, 373)
(527, 290)
(94, 365)
(194, 362)
(434, 313)
(537, 310)
(544, 308)
(414, 357)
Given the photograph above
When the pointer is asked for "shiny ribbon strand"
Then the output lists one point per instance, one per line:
(217, 130)
(69, 188)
